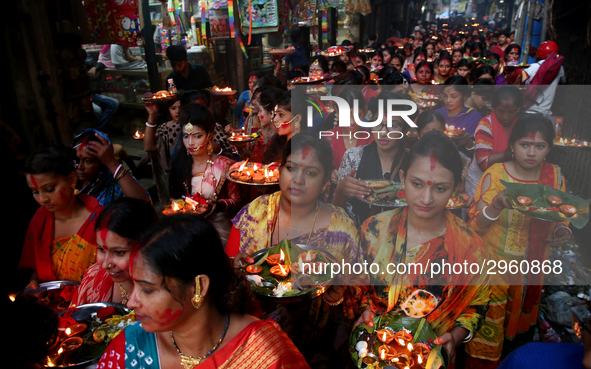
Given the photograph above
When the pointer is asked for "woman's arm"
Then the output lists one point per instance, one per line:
(151, 127)
(130, 57)
(104, 152)
(488, 212)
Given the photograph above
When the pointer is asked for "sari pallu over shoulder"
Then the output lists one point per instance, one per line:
(39, 239)
(383, 240)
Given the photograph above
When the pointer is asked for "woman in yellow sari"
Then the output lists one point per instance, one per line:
(510, 235)
(60, 243)
(296, 214)
(425, 232)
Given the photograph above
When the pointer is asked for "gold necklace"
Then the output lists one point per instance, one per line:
(124, 293)
(189, 362)
(313, 224)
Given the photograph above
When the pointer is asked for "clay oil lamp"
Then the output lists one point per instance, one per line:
(245, 177)
(76, 330)
(308, 256)
(420, 352)
(386, 335)
(71, 346)
(280, 271)
(138, 136)
(403, 361)
(403, 338)
(276, 258)
(387, 353)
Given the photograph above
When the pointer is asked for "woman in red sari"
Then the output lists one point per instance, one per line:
(191, 305)
(118, 229)
(60, 241)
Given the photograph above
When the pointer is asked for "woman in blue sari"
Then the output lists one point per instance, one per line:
(100, 174)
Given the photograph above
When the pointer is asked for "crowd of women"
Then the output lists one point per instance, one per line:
(183, 274)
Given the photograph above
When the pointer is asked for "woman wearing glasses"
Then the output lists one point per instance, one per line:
(379, 160)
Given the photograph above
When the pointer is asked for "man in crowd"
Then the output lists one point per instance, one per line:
(502, 45)
(186, 76)
(299, 56)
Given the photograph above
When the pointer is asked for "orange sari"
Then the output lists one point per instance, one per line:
(464, 299)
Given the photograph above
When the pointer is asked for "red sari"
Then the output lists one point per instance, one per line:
(74, 253)
(262, 344)
(96, 286)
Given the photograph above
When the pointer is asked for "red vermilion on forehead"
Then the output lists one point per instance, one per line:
(34, 182)
(429, 183)
(305, 152)
(103, 234)
(532, 135)
(433, 162)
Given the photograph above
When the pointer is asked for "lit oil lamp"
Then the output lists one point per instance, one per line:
(420, 352)
(55, 358)
(308, 256)
(138, 136)
(276, 258)
(385, 335)
(387, 352)
(279, 271)
(76, 330)
(12, 297)
(403, 361)
(403, 338)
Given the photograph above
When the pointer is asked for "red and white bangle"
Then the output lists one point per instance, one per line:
(151, 125)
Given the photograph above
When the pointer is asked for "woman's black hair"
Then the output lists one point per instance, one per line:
(418, 52)
(364, 70)
(483, 87)
(423, 63)
(278, 143)
(459, 83)
(258, 74)
(464, 63)
(194, 96)
(511, 47)
(508, 92)
(362, 57)
(182, 164)
(469, 45)
(427, 117)
(477, 73)
(268, 98)
(445, 57)
(530, 123)
(338, 66)
(442, 147)
(395, 79)
(182, 247)
(322, 61)
(310, 140)
(56, 160)
(352, 77)
(351, 95)
(127, 217)
(293, 74)
(265, 81)
(399, 57)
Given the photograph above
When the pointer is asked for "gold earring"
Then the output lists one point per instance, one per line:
(209, 148)
(197, 299)
(296, 128)
(76, 191)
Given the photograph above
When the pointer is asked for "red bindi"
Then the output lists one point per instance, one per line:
(532, 136)
(34, 182)
(429, 183)
(305, 152)
(433, 162)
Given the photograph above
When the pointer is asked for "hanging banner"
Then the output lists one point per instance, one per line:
(263, 13)
(117, 19)
(219, 23)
